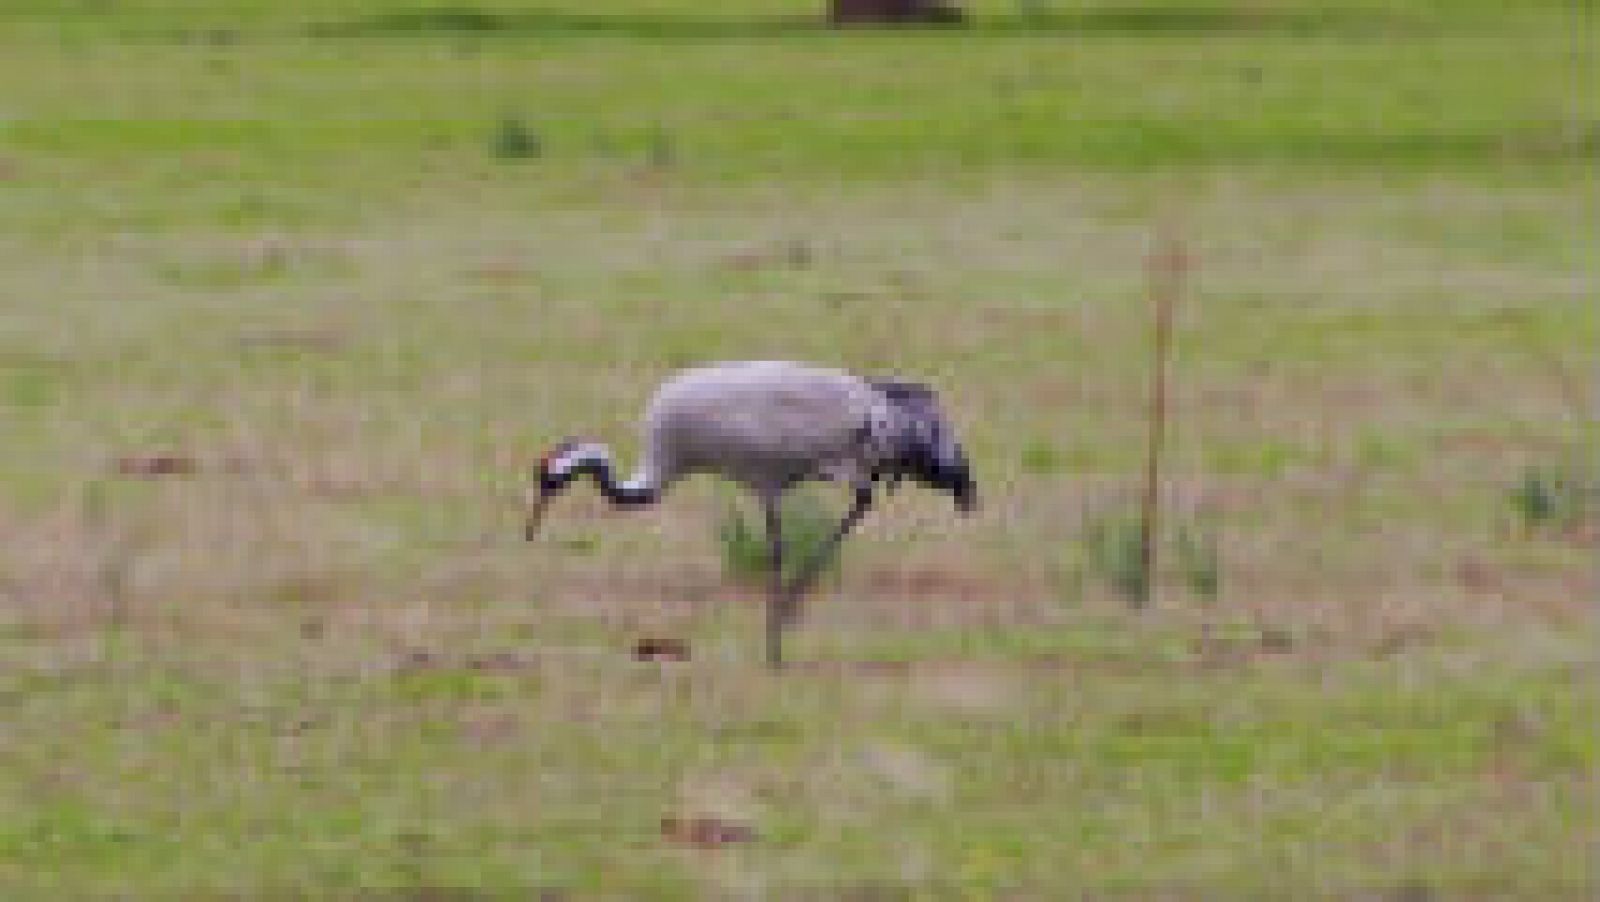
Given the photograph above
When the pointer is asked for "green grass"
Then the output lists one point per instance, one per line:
(291, 243)
(742, 539)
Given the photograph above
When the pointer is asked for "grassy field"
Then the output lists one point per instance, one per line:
(357, 263)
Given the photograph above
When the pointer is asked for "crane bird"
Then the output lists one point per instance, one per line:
(769, 425)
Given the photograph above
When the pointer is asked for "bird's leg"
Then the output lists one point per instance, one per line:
(776, 605)
(803, 580)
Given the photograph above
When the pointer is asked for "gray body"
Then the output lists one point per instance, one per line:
(766, 425)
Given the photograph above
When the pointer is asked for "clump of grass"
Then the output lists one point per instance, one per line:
(1113, 551)
(1199, 559)
(1113, 544)
(515, 140)
(661, 149)
(807, 523)
(1558, 496)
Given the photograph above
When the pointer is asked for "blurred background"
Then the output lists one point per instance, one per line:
(294, 294)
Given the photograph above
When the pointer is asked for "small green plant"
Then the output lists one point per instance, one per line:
(1559, 496)
(516, 140)
(743, 538)
(1113, 543)
(1535, 496)
(1199, 559)
(1113, 551)
(661, 150)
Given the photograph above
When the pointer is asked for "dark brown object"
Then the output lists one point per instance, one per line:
(705, 832)
(149, 465)
(894, 12)
(660, 650)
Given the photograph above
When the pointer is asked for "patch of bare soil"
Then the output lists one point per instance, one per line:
(704, 832)
(153, 465)
(660, 649)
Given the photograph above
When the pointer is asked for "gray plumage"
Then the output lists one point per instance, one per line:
(769, 425)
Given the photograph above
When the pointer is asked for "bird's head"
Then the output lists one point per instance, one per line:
(554, 472)
(958, 481)
(947, 470)
(925, 448)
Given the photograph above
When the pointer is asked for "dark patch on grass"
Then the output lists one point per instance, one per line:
(515, 140)
(794, 254)
(1146, 19)
(1222, 646)
(705, 832)
(660, 649)
(1199, 557)
(153, 465)
(1563, 498)
(1112, 544)
(470, 20)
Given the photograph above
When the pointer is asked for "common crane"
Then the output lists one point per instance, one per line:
(769, 425)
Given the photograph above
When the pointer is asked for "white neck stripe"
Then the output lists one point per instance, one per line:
(579, 455)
